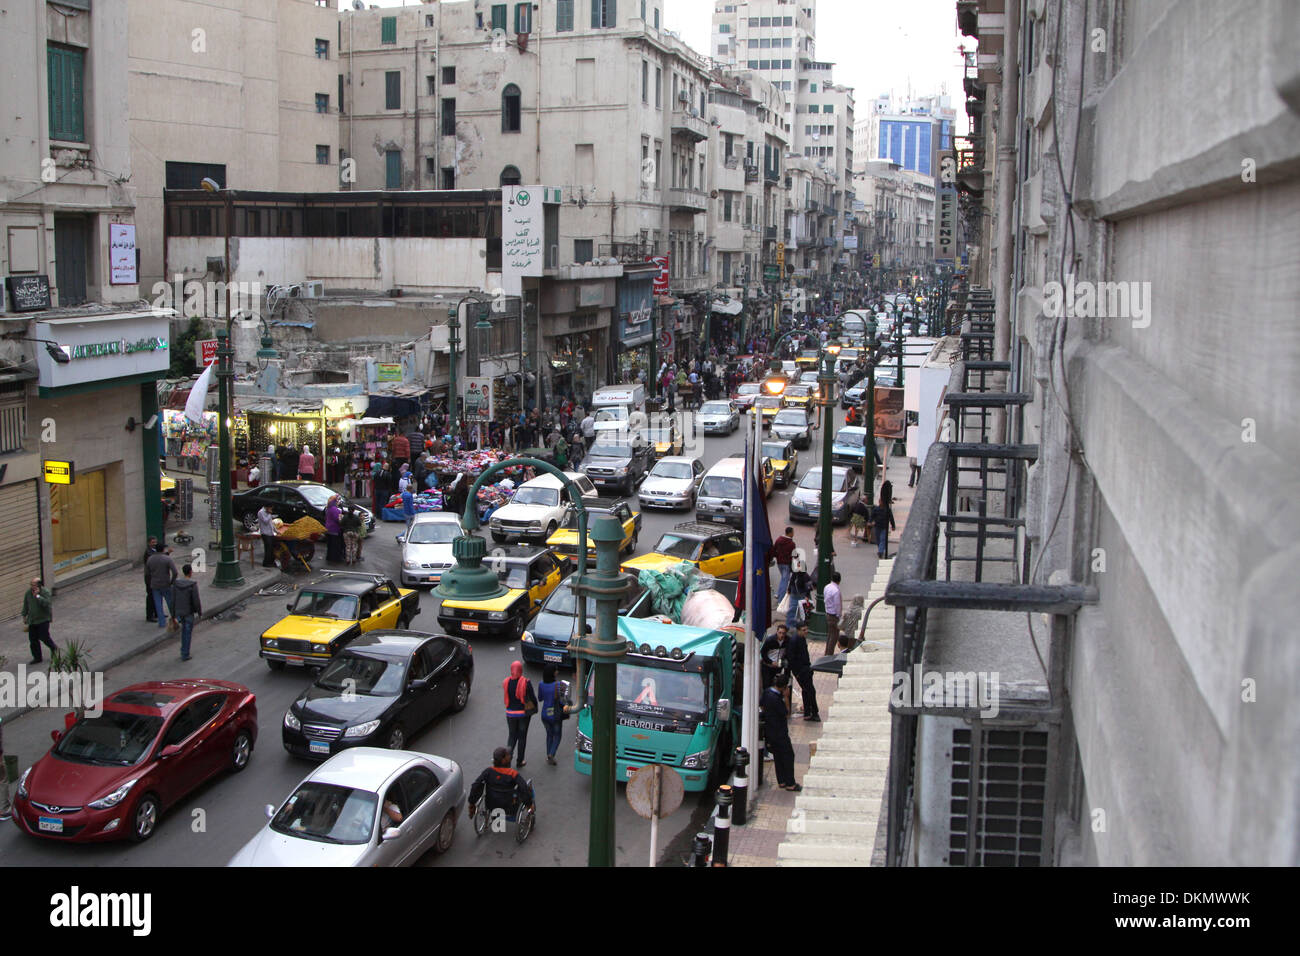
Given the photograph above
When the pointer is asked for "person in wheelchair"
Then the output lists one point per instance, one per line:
(505, 789)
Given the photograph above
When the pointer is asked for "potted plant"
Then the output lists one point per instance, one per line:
(72, 658)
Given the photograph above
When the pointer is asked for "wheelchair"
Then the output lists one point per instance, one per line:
(523, 817)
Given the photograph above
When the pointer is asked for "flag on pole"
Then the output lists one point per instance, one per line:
(199, 396)
(760, 549)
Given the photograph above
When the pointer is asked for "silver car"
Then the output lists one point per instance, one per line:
(363, 807)
(793, 424)
(718, 418)
(426, 548)
(672, 483)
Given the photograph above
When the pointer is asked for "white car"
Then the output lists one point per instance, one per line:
(537, 509)
(718, 418)
(426, 548)
(671, 483)
(342, 814)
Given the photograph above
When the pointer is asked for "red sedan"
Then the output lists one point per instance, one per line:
(113, 775)
(744, 395)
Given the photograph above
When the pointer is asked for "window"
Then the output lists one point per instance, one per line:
(510, 177)
(322, 155)
(764, 64)
(322, 102)
(656, 18)
(510, 118)
(322, 49)
(430, 88)
(604, 13)
(643, 11)
(812, 88)
(724, 28)
(786, 64)
(66, 92)
(726, 207)
(753, 23)
(659, 154)
(787, 42)
(448, 76)
(448, 177)
(764, 44)
(787, 21)
(189, 175)
(523, 18)
(393, 169)
(428, 19)
(448, 117)
(393, 90)
(828, 107)
(582, 250)
(340, 92)
(499, 17)
(388, 30)
(563, 16)
(431, 167)
(812, 107)
(752, 64)
(645, 81)
(659, 87)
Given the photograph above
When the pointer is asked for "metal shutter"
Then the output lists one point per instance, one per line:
(1001, 822)
(20, 545)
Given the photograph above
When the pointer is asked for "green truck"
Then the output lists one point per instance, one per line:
(677, 703)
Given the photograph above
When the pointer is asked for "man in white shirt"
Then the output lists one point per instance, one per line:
(588, 428)
(266, 528)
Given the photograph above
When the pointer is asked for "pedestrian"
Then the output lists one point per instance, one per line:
(454, 497)
(399, 449)
(521, 704)
(771, 655)
(882, 521)
(776, 732)
(186, 607)
(553, 709)
(404, 479)
(799, 590)
(408, 508)
(800, 664)
(333, 531)
(37, 614)
(859, 517)
(353, 530)
(783, 553)
(254, 476)
(834, 606)
(150, 614)
(266, 528)
(383, 485)
(291, 457)
(162, 574)
(561, 452)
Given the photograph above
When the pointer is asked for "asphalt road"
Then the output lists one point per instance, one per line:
(213, 823)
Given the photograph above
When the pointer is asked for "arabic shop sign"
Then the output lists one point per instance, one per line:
(120, 347)
(103, 348)
(521, 235)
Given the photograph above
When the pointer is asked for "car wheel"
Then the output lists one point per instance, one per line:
(462, 696)
(498, 538)
(446, 833)
(520, 626)
(250, 521)
(275, 665)
(550, 530)
(144, 818)
(403, 623)
(396, 738)
(242, 751)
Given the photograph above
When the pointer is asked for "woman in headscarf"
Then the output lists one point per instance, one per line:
(553, 710)
(521, 704)
(307, 464)
(333, 530)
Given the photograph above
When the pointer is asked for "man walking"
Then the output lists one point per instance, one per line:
(408, 507)
(776, 732)
(162, 574)
(266, 528)
(834, 605)
(150, 614)
(37, 614)
(783, 553)
(186, 607)
(796, 657)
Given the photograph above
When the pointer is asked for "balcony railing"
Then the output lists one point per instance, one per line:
(689, 125)
(771, 177)
(769, 232)
(687, 200)
(627, 250)
(732, 161)
(751, 172)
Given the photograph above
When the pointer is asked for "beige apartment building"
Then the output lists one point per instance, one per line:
(245, 93)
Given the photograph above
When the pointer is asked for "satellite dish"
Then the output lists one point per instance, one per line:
(358, 5)
(713, 194)
(210, 184)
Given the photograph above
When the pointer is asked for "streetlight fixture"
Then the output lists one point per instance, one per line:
(825, 544)
(869, 452)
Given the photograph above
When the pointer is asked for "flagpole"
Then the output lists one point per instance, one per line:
(749, 715)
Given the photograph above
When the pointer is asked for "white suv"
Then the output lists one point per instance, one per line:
(537, 509)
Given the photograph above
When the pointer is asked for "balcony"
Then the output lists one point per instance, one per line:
(687, 200)
(627, 250)
(684, 285)
(812, 205)
(771, 177)
(751, 172)
(769, 233)
(827, 242)
(689, 125)
(732, 161)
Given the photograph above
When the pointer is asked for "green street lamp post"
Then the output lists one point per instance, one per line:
(227, 574)
(825, 536)
(869, 452)
(898, 341)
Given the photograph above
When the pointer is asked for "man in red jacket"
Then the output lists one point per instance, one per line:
(399, 450)
(783, 554)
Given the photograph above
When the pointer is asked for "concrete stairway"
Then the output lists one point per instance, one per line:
(835, 817)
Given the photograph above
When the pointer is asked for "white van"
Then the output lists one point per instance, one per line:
(537, 509)
(612, 406)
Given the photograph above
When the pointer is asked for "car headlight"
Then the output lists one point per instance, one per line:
(697, 761)
(22, 783)
(584, 743)
(496, 524)
(291, 721)
(362, 730)
(528, 637)
(737, 508)
(410, 565)
(621, 470)
(837, 500)
(496, 615)
(114, 798)
(270, 642)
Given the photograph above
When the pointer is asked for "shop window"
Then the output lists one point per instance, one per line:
(79, 522)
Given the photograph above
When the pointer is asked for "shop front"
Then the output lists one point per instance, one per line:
(575, 338)
(261, 424)
(634, 350)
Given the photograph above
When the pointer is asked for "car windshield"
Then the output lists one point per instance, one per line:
(792, 417)
(715, 408)
(433, 532)
(775, 450)
(852, 439)
(614, 413)
(327, 813)
(652, 690)
(513, 576)
(571, 516)
(114, 737)
(798, 391)
(325, 604)
(549, 497)
(317, 496)
(352, 673)
(671, 469)
(768, 401)
(748, 388)
(600, 450)
(716, 486)
(675, 546)
(809, 353)
(813, 480)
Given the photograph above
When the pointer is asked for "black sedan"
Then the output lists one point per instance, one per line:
(378, 692)
(289, 501)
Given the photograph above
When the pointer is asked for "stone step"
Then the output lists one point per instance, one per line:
(850, 831)
(819, 802)
(839, 813)
(849, 785)
(842, 762)
(851, 710)
(848, 746)
(854, 727)
(825, 855)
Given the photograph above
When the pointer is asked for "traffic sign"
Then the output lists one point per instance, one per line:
(654, 791)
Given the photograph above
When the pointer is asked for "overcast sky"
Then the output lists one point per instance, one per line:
(877, 46)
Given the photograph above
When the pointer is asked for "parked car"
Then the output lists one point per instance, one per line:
(793, 424)
(714, 550)
(289, 501)
(671, 483)
(529, 575)
(426, 547)
(719, 418)
(337, 815)
(328, 614)
(615, 462)
(806, 503)
(537, 508)
(565, 541)
(785, 461)
(113, 776)
(547, 639)
(378, 692)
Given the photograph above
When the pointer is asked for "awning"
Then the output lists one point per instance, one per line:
(284, 408)
(728, 307)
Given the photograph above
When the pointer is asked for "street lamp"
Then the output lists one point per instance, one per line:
(869, 457)
(453, 341)
(825, 545)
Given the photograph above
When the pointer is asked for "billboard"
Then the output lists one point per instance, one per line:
(477, 400)
(890, 417)
(522, 230)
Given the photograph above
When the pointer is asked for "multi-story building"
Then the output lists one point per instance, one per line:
(247, 95)
(1128, 576)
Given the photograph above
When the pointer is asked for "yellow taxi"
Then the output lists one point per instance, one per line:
(798, 396)
(808, 359)
(716, 551)
(768, 406)
(785, 461)
(529, 573)
(166, 484)
(327, 614)
(565, 540)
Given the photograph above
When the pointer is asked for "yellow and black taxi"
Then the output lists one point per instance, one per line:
(326, 615)
(665, 437)
(528, 572)
(785, 461)
(808, 359)
(714, 550)
(565, 540)
(768, 406)
(798, 396)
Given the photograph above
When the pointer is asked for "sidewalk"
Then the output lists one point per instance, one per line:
(842, 762)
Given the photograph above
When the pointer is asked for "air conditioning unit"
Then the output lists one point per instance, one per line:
(682, 97)
(313, 289)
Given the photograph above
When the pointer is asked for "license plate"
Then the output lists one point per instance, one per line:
(602, 481)
(49, 824)
(294, 660)
(554, 658)
(318, 746)
(721, 518)
(631, 770)
(469, 625)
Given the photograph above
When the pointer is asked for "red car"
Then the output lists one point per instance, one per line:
(744, 395)
(112, 776)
